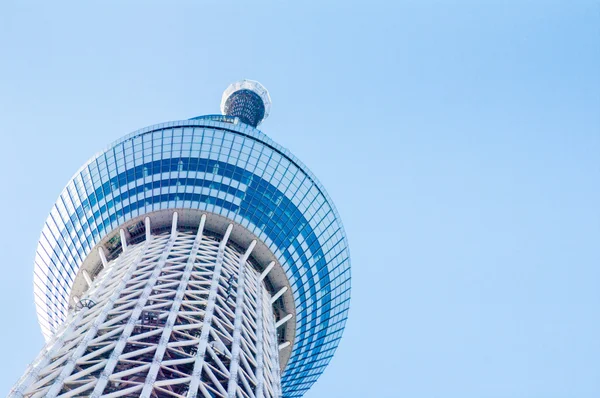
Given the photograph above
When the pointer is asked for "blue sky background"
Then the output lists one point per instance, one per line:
(460, 141)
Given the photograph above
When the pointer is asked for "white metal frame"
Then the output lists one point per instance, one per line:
(182, 314)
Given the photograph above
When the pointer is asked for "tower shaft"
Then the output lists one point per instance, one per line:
(182, 314)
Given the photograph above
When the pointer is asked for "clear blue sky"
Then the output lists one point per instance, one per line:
(460, 141)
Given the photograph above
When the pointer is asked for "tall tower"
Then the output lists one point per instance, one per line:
(195, 258)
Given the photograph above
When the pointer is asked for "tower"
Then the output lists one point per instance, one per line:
(194, 258)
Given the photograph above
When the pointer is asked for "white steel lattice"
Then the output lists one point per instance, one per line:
(181, 314)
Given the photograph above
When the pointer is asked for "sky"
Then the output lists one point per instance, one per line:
(459, 141)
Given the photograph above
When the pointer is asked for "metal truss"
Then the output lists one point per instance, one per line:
(181, 314)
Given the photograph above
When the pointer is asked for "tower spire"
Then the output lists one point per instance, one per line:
(248, 100)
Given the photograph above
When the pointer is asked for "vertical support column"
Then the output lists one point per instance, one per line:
(273, 351)
(168, 329)
(137, 311)
(87, 278)
(259, 392)
(148, 229)
(237, 324)
(265, 303)
(102, 257)
(123, 239)
(210, 308)
(174, 224)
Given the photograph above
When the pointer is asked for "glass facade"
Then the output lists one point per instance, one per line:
(219, 165)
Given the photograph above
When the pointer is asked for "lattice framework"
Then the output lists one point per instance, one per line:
(182, 314)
